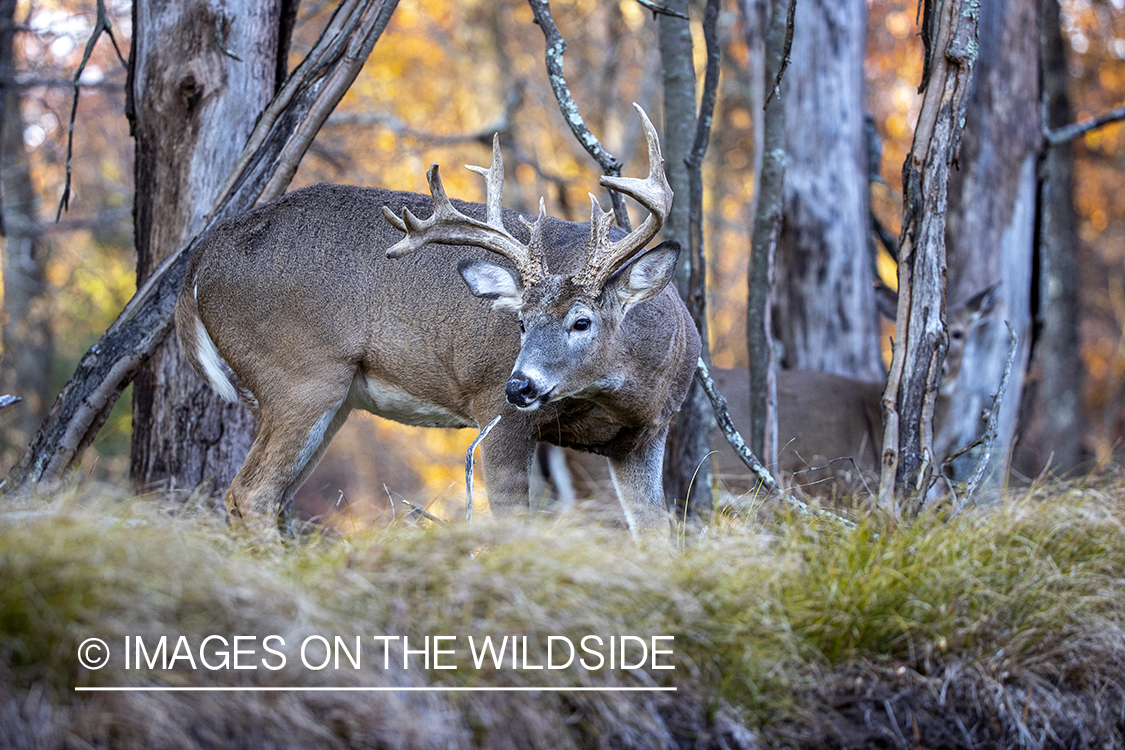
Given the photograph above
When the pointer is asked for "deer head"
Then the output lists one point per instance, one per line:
(568, 322)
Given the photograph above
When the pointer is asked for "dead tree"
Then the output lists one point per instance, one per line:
(949, 35)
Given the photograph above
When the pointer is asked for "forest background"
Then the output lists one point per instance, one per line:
(441, 80)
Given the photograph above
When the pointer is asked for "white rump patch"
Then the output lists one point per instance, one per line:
(214, 366)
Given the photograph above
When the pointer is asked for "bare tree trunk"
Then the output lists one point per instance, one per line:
(1053, 419)
(824, 315)
(991, 230)
(687, 466)
(949, 33)
(766, 225)
(192, 107)
(27, 338)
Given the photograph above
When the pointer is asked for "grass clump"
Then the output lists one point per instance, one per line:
(1003, 629)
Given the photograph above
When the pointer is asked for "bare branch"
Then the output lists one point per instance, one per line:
(991, 430)
(1068, 133)
(661, 10)
(469, 467)
(6, 400)
(790, 20)
(722, 417)
(424, 513)
(554, 50)
(101, 25)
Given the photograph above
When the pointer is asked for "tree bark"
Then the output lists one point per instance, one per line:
(1053, 416)
(193, 106)
(824, 302)
(991, 230)
(949, 34)
(687, 465)
(27, 338)
(280, 137)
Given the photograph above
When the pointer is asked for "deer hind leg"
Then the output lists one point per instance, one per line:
(638, 478)
(292, 436)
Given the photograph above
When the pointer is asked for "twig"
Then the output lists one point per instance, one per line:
(1068, 133)
(555, 48)
(790, 19)
(219, 19)
(662, 10)
(423, 512)
(6, 400)
(722, 417)
(993, 422)
(469, 467)
(100, 25)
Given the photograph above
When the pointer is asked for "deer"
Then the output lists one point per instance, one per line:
(830, 426)
(320, 303)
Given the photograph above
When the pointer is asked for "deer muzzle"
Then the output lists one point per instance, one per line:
(524, 392)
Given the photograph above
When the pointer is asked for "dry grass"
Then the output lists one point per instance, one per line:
(1002, 630)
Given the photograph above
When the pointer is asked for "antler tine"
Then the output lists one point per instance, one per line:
(448, 226)
(653, 192)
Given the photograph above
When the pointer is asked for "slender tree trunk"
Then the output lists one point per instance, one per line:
(991, 229)
(27, 338)
(949, 34)
(192, 106)
(771, 163)
(687, 467)
(1053, 420)
(824, 315)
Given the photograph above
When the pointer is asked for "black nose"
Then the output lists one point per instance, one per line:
(520, 391)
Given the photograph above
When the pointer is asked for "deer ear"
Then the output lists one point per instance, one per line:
(490, 281)
(646, 276)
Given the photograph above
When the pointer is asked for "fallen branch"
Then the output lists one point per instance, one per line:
(469, 467)
(424, 513)
(555, 48)
(281, 136)
(722, 417)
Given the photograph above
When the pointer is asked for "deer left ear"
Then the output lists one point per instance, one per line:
(646, 276)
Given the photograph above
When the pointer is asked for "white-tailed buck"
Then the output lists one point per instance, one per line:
(314, 305)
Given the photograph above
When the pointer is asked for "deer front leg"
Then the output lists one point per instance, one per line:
(507, 454)
(638, 477)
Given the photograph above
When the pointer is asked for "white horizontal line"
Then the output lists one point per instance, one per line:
(435, 689)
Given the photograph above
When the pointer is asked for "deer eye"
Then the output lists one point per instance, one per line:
(581, 324)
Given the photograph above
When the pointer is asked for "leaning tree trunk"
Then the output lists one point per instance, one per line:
(825, 316)
(687, 466)
(201, 71)
(949, 34)
(991, 230)
(26, 359)
(1053, 409)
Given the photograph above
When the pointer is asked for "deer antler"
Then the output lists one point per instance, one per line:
(653, 192)
(448, 226)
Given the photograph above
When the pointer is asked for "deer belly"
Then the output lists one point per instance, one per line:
(395, 403)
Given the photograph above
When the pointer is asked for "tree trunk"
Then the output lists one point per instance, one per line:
(27, 338)
(192, 107)
(991, 230)
(825, 316)
(687, 466)
(949, 34)
(1053, 420)
(770, 24)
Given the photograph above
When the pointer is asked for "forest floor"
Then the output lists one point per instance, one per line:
(1001, 628)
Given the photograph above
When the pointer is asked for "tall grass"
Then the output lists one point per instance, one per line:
(1004, 629)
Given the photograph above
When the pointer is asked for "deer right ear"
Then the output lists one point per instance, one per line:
(490, 281)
